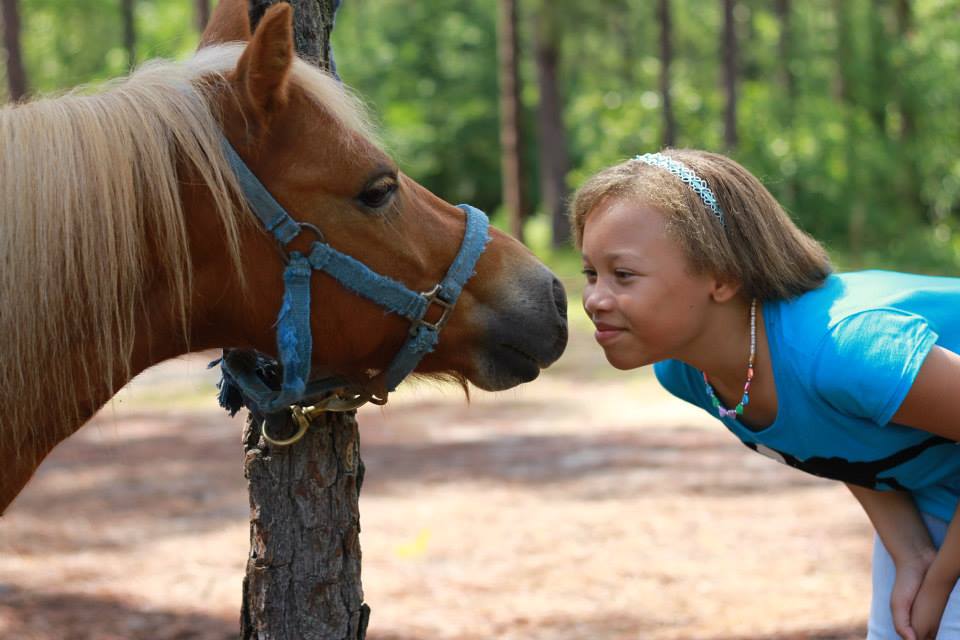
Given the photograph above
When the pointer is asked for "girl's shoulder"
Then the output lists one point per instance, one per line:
(858, 341)
(856, 302)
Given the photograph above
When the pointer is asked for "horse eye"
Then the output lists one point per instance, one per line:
(378, 194)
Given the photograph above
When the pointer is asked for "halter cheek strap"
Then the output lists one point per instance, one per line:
(243, 376)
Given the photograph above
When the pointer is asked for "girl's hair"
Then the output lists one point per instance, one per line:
(758, 245)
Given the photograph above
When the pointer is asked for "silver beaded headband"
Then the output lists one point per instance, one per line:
(688, 177)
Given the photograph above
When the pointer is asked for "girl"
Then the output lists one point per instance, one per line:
(691, 264)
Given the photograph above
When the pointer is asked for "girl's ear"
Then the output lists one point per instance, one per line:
(724, 291)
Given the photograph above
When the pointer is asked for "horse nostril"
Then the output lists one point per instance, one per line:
(560, 298)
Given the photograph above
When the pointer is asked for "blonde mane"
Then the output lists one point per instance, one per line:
(88, 189)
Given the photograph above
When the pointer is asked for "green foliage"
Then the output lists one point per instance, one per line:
(67, 43)
(864, 154)
(429, 70)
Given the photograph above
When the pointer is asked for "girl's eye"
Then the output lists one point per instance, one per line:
(590, 273)
(378, 194)
(622, 275)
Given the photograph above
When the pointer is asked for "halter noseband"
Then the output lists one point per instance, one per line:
(243, 383)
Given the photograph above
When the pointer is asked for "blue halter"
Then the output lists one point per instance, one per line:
(294, 339)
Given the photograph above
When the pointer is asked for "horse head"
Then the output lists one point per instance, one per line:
(126, 238)
(305, 138)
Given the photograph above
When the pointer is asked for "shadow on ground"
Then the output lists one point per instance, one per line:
(31, 616)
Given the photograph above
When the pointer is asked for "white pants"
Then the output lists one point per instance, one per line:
(880, 626)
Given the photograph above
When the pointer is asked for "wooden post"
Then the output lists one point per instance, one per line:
(303, 572)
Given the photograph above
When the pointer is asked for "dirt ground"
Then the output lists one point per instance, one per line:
(586, 505)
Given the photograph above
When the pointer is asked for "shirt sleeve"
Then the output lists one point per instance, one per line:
(867, 363)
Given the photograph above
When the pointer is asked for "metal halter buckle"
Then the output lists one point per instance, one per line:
(433, 297)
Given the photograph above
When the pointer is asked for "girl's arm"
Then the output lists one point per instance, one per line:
(933, 404)
(898, 523)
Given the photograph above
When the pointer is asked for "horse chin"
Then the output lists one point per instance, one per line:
(503, 368)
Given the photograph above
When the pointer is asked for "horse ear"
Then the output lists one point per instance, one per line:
(230, 22)
(265, 65)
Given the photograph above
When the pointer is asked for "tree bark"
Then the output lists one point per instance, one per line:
(303, 572)
(785, 44)
(129, 32)
(730, 75)
(788, 78)
(202, 14)
(554, 157)
(314, 24)
(16, 74)
(511, 135)
(908, 117)
(666, 59)
(857, 218)
(911, 181)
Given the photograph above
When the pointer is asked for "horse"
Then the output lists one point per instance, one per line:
(126, 239)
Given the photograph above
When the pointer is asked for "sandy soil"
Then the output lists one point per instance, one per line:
(587, 505)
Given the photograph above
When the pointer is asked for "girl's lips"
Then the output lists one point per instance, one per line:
(606, 327)
(606, 333)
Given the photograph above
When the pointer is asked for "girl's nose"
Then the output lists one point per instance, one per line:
(596, 298)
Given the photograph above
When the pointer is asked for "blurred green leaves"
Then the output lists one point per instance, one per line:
(865, 156)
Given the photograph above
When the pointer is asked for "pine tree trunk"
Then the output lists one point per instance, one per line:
(303, 572)
(16, 75)
(129, 32)
(314, 24)
(201, 14)
(846, 92)
(511, 136)
(666, 59)
(554, 157)
(730, 75)
(789, 80)
(907, 101)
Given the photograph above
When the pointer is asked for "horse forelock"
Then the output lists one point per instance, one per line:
(89, 187)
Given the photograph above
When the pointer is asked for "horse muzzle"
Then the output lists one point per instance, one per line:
(523, 335)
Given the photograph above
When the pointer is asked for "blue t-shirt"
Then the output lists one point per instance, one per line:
(844, 357)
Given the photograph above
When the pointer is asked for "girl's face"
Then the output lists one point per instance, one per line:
(646, 304)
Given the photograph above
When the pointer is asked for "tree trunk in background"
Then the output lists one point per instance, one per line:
(908, 115)
(201, 14)
(856, 221)
(622, 32)
(314, 26)
(16, 75)
(730, 75)
(511, 161)
(789, 80)
(554, 157)
(880, 85)
(129, 32)
(912, 187)
(666, 59)
(303, 572)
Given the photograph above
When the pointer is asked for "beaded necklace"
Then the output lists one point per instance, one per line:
(738, 410)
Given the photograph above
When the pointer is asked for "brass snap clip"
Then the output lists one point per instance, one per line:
(302, 416)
